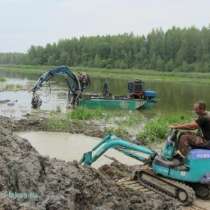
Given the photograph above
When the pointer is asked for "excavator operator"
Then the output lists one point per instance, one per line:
(190, 139)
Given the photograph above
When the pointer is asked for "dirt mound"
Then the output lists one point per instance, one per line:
(30, 181)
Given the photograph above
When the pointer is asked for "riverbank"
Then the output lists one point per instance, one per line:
(126, 74)
(133, 126)
(80, 121)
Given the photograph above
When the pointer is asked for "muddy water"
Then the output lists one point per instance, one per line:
(17, 103)
(173, 96)
(70, 147)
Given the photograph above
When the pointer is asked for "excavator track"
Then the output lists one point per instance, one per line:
(140, 186)
(194, 207)
(134, 185)
(174, 189)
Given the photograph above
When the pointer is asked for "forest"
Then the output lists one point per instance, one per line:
(177, 49)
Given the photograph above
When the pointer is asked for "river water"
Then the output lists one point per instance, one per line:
(16, 95)
(172, 96)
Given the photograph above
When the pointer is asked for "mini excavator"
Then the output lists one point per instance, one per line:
(161, 173)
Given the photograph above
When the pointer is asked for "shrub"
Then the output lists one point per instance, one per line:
(157, 128)
(81, 113)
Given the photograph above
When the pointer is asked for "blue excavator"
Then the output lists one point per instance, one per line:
(160, 172)
(76, 84)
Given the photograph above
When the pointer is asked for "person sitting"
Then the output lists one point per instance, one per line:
(190, 139)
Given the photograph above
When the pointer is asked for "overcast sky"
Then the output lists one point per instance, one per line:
(36, 22)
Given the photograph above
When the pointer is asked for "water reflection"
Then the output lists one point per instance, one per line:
(172, 96)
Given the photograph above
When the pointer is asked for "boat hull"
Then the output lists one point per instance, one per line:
(129, 104)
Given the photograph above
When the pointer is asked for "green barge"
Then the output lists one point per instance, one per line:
(137, 98)
(116, 103)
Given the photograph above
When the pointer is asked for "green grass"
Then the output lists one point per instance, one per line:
(81, 113)
(115, 73)
(2, 79)
(25, 69)
(118, 121)
(57, 123)
(156, 129)
(145, 74)
(61, 121)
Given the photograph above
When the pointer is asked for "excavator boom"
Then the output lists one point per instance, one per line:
(72, 80)
(76, 87)
(135, 151)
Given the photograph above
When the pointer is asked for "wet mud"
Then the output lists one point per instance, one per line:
(40, 123)
(32, 181)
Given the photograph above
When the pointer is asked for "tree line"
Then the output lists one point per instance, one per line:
(13, 58)
(177, 49)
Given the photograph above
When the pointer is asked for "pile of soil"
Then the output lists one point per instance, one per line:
(31, 181)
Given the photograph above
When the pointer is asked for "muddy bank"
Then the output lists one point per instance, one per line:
(40, 123)
(31, 181)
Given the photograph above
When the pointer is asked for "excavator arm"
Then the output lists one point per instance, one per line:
(135, 151)
(72, 81)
